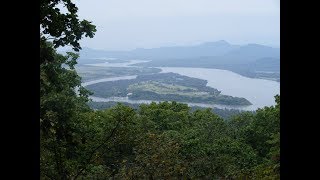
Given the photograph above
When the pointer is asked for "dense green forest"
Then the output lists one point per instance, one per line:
(224, 113)
(156, 141)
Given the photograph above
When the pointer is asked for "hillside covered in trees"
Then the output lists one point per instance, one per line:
(156, 141)
(166, 140)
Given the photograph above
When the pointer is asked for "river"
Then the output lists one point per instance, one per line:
(259, 92)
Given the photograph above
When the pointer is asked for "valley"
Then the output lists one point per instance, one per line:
(213, 75)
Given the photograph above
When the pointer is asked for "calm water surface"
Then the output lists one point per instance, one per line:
(259, 92)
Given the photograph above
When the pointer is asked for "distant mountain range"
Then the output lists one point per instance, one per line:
(220, 49)
(251, 60)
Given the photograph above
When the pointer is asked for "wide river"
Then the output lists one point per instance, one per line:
(259, 92)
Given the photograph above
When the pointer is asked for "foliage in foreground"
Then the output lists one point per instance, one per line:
(165, 140)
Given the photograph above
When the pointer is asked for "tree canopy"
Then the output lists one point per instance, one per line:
(62, 99)
(62, 28)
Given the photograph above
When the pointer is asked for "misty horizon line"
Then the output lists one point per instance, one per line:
(176, 45)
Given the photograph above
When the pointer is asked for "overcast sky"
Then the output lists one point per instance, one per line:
(130, 24)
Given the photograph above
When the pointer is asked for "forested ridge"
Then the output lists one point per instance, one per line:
(157, 141)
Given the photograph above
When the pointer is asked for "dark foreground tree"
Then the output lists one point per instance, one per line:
(63, 29)
(62, 99)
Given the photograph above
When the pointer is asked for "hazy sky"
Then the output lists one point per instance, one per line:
(129, 24)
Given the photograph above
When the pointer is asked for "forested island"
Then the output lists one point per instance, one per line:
(165, 87)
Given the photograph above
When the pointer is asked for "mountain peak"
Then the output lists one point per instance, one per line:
(221, 42)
